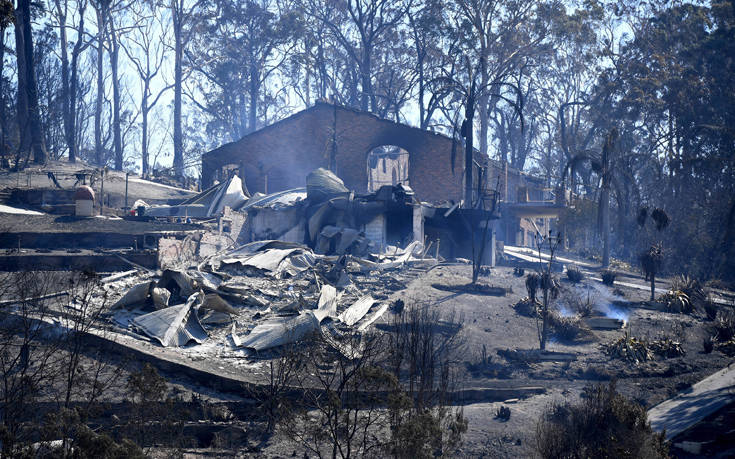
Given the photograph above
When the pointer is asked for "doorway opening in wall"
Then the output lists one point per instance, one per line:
(387, 165)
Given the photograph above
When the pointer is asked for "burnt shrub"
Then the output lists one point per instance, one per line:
(724, 326)
(581, 304)
(710, 309)
(574, 275)
(603, 424)
(709, 344)
(526, 307)
(677, 301)
(502, 413)
(691, 287)
(595, 373)
(533, 283)
(608, 277)
(568, 328)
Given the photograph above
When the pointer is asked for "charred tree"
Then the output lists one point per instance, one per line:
(114, 55)
(6, 19)
(102, 9)
(29, 119)
(180, 16)
(467, 129)
(69, 72)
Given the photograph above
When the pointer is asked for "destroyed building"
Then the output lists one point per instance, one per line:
(367, 152)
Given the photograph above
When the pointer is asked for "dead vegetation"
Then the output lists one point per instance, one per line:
(367, 394)
(677, 301)
(568, 329)
(526, 307)
(502, 413)
(691, 287)
(723, 332)
(603, 423)
(652, 262)
(636, 350)
(485, 366)
(608, 277)
(723, 327)
(579, 303)
(629, 348)
(574, 274)
(667, 347)
(564, 322)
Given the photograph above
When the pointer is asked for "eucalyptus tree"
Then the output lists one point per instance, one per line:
(29, 118)
(6, 20)
(48, 67)
(241, 47)
(185, 14)
(145, 48)
(427, 23)
(102, 14)
(678, 92)
(500, 34)
(362, 28)
(114, 31)
(70, 17)
(312, 67)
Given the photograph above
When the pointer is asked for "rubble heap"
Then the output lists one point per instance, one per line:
(262, 295)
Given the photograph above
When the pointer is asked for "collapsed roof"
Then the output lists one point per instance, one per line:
(208, 203)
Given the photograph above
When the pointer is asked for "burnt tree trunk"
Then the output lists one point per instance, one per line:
(253, 90)
(653, 286)
(3, 123)
(178, 164)
(545, 320)
(144, 131)
(467, 130)
(101, 21)
(605, 224)
(114, 55)
(30, 123)
(22, 94)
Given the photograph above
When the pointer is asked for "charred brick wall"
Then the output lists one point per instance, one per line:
(279, 156)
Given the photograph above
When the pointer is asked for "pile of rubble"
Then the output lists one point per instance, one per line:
(300, 261)
(262, 295)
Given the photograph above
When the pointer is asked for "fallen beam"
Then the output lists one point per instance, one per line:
(35, 298)
(603, 323)
(535, 355)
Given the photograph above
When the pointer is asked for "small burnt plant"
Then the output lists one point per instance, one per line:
(533, 282)
(724, 326)
(710, 309)
(608, 277)
(502, 413)
(574, 275)
(693, 289)
(709, 344)
(568, 329)
(603, 423)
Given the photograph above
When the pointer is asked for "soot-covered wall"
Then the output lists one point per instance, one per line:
(278, 157)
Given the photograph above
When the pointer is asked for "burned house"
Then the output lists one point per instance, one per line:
(280, 156)
(368, 154)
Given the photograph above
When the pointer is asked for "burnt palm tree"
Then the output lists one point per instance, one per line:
(651, 262)
(603, 165)
(653, 258)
